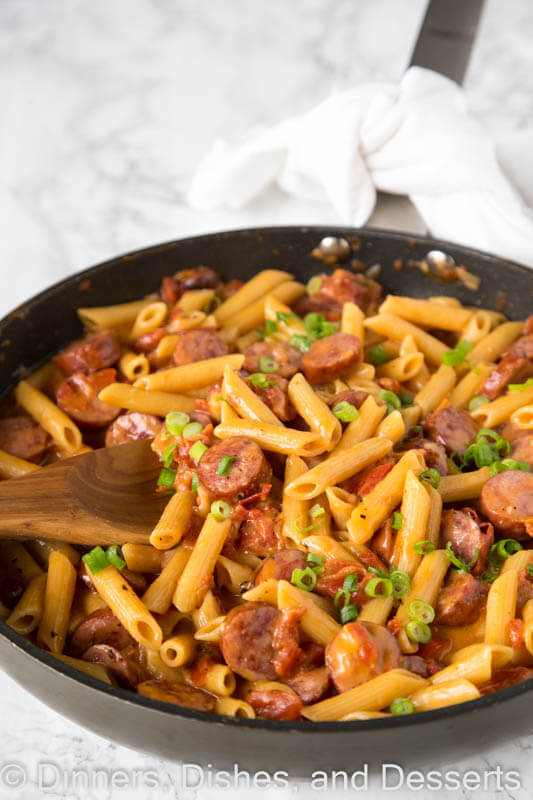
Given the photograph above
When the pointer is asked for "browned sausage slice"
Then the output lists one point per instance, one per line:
(467, 534)
(23, 437)
(461, 600)
(507, 500)
(524, 590)
(100, 627)
(511, 369)
(508, 676)
(78, 397)
(522, 348)
(434, 453)
(275, 395)
(361, 651)
(247, 640)
(310, 684)
(453, 428)
(522, 449)
(198, 344)
(279, 567)
(90, 354)
(285, 355)
(249, 468)
(331, 357)
(339, 288)
(260, 535)
(198, 278)
(178, 694)
(131, 427)
(528, 326)
(356, 397)
(275, 704)
(384, 540)
(124, 669)
(147, 342)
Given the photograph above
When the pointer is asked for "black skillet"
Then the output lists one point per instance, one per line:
(37, 329)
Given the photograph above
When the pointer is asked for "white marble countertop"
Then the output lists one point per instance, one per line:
(106, 108)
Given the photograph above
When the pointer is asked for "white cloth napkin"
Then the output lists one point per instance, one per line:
(415, 139)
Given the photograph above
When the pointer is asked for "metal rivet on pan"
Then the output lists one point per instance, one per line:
(334, 248)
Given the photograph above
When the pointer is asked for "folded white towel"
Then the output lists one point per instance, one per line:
(414, 139)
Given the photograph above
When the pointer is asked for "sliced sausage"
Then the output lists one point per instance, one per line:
(361, 651)
(453, 428)
(522, 449)
(275, 396)
(461, 600)
(420, 666)
(384, 540)
(389, 384)
(123, 669)
(228, 289)
(171, 290)
(12, 586)
(249, 468)
(286, 641)
(356, 397)
(23, 437)
(285, 355)
(275, 704)
(510, 369)
(505, 677)
(338, 288)
(259, 534)
(100, 627)
(178, 694)
(522, 348)
(524, 591)
(528, 326)
(336, 570)
(78, 397)
(331, 357)
(131, 427)
(434, 453)
(310, 684)
(147, 342)
(363, 483)
(507, 500)
(279, 567)
(89, 355)
(247, 640)
(198, 344)
(198, 278)
(467, 534)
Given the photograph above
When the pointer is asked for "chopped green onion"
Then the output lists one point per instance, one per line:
(316, 511)
(176, 421)
(489, 576)
(317, 326)
(431, 476)
(458, 354)
(268, 364)
(372, 588)
(345, 411)
(168, 455)
(166, 478)
(270, 328)
(509, 463)
(284, 316)
(210, 304)
(530, 569)
(298, 529)
(401, 583)
(378, 572)
(421, 611)
(315, 560)
(391, 400)
(302, 343)
(348, 613)
(192, 429)
(401, 705)
(351, 582)
(224, 465)
(342, 598)
(220, 510)
(195, 482)
(114, 557)
(314, 284)
(197, 450)
(397, 521)
(96, 560)
(378, 355)
(458, 562)
(424, 547)
(418, 631)
(304, 578)
(520, 387)
(259, 379)
(406, 399)
(488, 433)
(503, 549)
(477, 401)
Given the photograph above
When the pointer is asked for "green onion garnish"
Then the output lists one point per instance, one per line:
(341, 599)
(314, 284)
(477, 401)
(176, 421)
(509, 463)
(520, 387)
(379, 587)
(530, 569)
(458, 354)
(316, 562)
(317, 326)
(503, 549)
(114, 557)
(302, 343)
(270, 327)
(268, 364)
(424, 547)
(406, 399)
(224, 465)
(345, 411)
(431, 476)
(391, 400)
(197, 450)
(401, 583)
(458, 562)
(166, 478)
(489, 576)
(285, 316)
(96, 560)
(259, 379)
(168, 455)
(316, 511)
(220, 510)
(397, 521)
(351, 582)
(421, 611)
(401, 705)
(418, 631)
(348, 613)
(194, 482)
(304, 578)
(192, 429)
(378, 355)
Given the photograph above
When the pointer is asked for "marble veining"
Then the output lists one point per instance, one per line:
(106, 108)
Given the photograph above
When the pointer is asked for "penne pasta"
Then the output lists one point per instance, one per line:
(123, 395)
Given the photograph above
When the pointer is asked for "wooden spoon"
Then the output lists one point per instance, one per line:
(103, 497)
